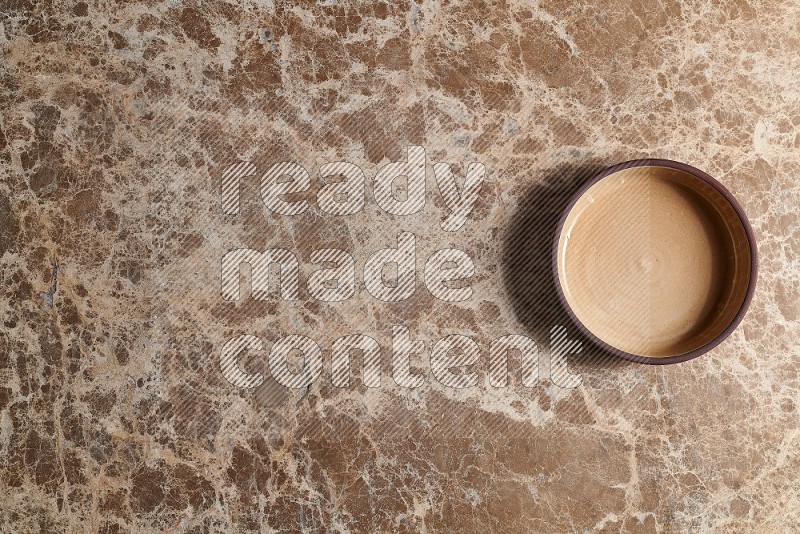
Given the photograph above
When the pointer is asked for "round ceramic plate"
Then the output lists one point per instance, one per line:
(655, 261)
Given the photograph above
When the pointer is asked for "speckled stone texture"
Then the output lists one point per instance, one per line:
(117, 121)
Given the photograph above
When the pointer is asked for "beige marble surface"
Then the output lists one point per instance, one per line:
(116, 124)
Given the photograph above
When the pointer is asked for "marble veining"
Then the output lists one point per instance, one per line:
(117, 121)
